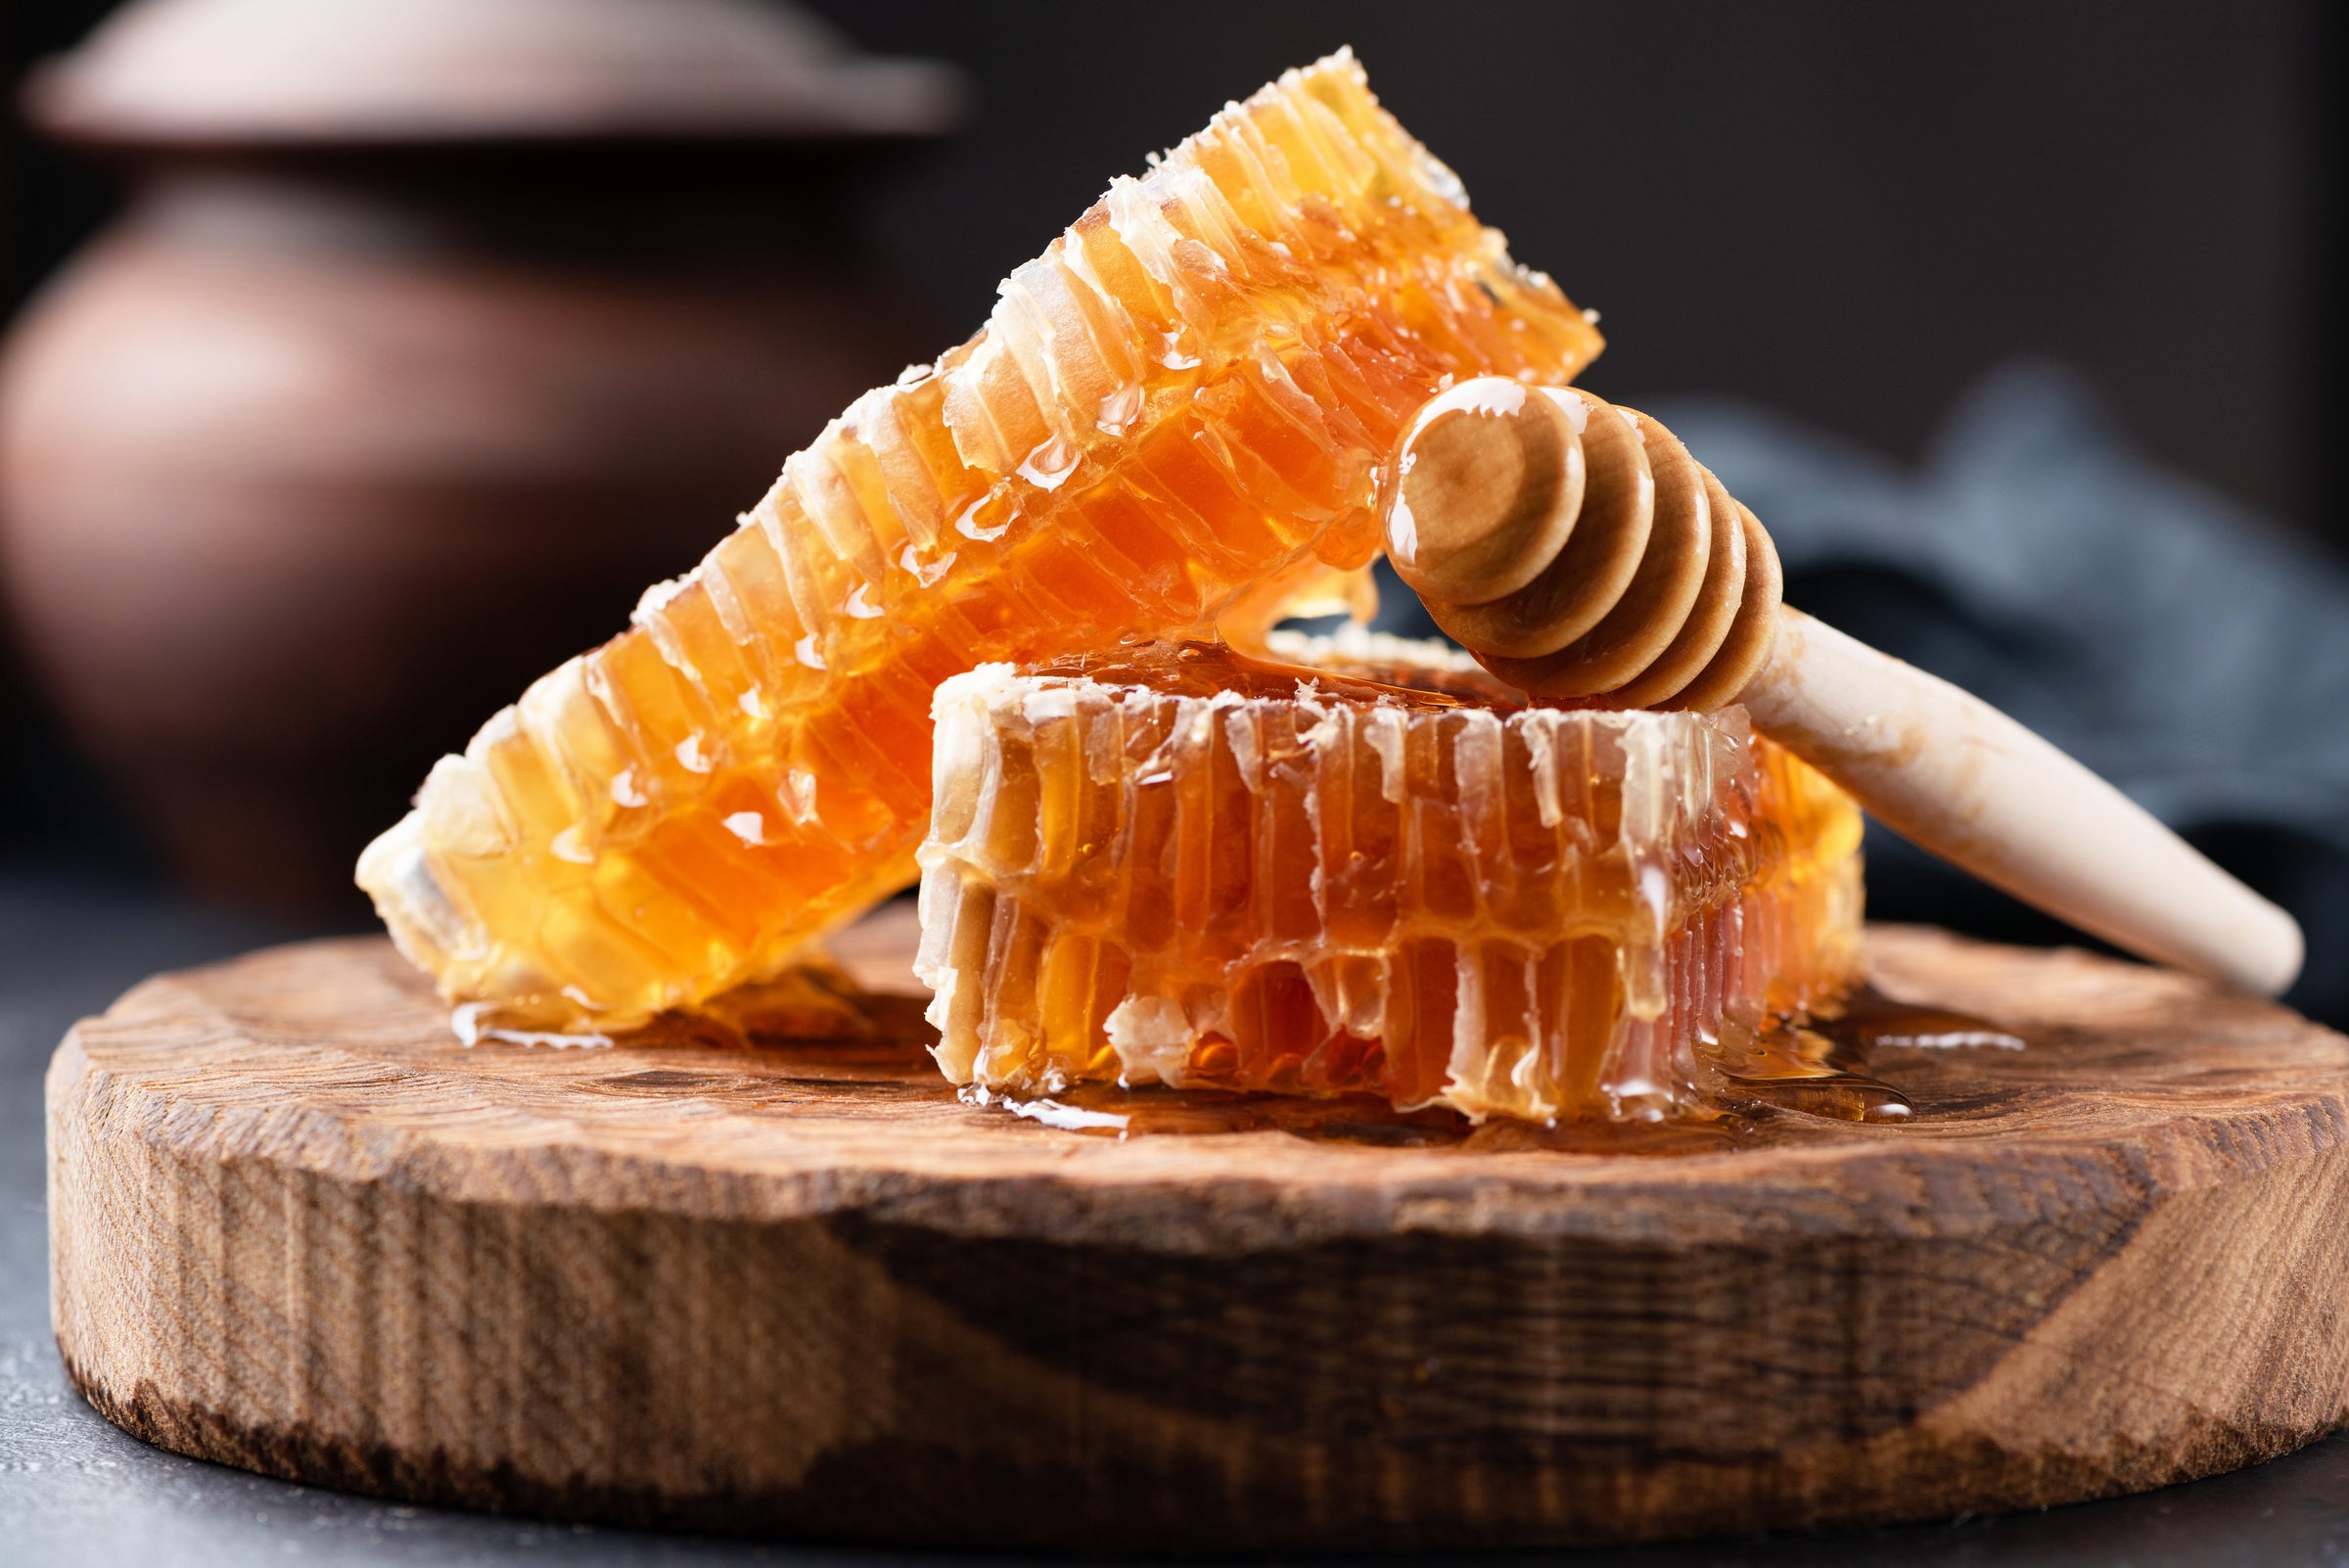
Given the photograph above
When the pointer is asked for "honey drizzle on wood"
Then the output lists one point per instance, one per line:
(1819, 1066)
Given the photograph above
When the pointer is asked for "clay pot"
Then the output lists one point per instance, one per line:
(373, 407)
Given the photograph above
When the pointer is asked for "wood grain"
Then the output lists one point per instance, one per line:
(297, 1227)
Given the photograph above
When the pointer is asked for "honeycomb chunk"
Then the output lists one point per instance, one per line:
(1181, 401)
(1177, 864)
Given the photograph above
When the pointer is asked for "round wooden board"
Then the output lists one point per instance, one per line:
(297, 1227)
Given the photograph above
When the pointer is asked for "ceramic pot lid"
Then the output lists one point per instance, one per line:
(289, 72)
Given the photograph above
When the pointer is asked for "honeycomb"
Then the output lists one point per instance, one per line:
(1179, 864)
(1178, 409)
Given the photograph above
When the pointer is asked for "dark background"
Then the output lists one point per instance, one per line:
(1844, 210)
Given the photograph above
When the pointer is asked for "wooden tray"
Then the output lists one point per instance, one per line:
(297, 1227)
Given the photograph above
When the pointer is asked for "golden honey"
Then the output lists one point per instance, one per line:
(1178, 407)
(1177, 864)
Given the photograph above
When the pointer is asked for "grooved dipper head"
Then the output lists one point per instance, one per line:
(1577, 550)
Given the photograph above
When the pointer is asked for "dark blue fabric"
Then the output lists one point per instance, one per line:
(2190, 652)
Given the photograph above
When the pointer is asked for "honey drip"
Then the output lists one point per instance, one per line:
(884, 1040)
(1108, 1110)
(1821, 1066)
(1178, 865)
(1179, 405)
(1809, 1065)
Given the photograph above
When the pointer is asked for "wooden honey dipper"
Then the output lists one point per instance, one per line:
(1579, 551)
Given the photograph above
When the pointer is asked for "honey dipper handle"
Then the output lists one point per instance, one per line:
(1955, 776)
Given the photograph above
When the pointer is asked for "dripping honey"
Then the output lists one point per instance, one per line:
(1822, 1067)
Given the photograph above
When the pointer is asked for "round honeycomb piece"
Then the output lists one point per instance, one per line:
(1180, 405)
(1177, 864)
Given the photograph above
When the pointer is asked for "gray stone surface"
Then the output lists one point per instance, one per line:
(76, 1491)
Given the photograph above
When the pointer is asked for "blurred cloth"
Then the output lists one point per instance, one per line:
(2194, 654)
